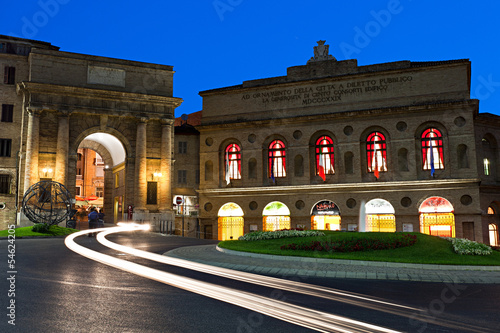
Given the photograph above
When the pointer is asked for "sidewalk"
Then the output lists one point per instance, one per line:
(334, 268)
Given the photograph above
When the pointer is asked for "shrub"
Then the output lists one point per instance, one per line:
(260, 235)
(468, 247)
(42, 228)
(354, 245)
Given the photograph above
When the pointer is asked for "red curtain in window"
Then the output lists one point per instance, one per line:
(376, 153)
(277, 159)
(232, 161)
(432, 149)
(324, 156)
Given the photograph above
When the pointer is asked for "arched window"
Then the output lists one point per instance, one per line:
(376, 153)
(277, 159)
(493, 231)
(486, 166)
(491, 211)
(232, 161)
(324, 156)
(432, 150)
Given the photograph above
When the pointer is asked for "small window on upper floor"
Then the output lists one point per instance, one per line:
(182, 177)
(9, 76)
(182, 147)
(5, 147)
(7, 113)
(491, 211)
(4, 184)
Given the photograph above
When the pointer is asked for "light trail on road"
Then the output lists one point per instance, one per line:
(298, 315)
(266, 281)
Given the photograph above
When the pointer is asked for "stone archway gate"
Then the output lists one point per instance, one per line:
(68, 96)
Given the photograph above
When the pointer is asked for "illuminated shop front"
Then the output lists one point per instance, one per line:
(325, 215)
(275, 216)
(380, 216)
(437, 218)
(230, 221)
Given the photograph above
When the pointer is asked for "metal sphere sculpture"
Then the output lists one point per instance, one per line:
(47, 202)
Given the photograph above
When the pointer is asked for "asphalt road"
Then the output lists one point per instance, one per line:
(57, 290)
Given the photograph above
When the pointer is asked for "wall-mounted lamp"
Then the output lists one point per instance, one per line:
(156, 175)
(46, 172)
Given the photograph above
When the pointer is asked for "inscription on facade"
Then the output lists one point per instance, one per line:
(106, 76)
(327, 93)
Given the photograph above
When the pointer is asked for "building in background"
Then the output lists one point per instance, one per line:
(186, 177)
(402, 142)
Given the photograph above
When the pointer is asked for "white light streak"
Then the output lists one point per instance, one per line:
(317, 320)
(267, 281)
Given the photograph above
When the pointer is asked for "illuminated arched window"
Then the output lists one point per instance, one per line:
(491, 211)
(432, 150)
(324, 156)
(486, 166)
(376, 153)
(277, 159)
(232, 161)
(493, 232)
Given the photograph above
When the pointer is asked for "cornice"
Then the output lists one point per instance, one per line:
(123, 96)
(418, 185)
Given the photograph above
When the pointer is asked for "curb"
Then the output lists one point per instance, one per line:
(362, 262)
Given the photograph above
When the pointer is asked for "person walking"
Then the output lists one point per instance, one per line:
(93, 220)
(101, 218)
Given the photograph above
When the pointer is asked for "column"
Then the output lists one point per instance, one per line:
(62, 150)
(140, 167)
(165, 199)
(32, 148)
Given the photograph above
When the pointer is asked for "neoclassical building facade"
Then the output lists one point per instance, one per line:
(401, 144)
(61, 101)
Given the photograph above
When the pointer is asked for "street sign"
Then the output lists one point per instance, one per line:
(178, 200)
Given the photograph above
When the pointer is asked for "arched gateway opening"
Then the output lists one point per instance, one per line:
(100, 166)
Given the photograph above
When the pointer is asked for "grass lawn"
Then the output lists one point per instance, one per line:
(54, 230)
(427, 249)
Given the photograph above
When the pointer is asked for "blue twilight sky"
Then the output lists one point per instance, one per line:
(218, 43)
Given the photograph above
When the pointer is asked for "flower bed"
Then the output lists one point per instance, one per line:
(353, 245)
(468, 247)
(259, 235)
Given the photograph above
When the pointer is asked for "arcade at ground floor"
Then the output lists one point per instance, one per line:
(433, 215)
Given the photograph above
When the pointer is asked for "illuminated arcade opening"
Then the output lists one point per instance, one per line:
(275, 216)
(325, 215)
(380, 216)
(437, 218)
(230, 221)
